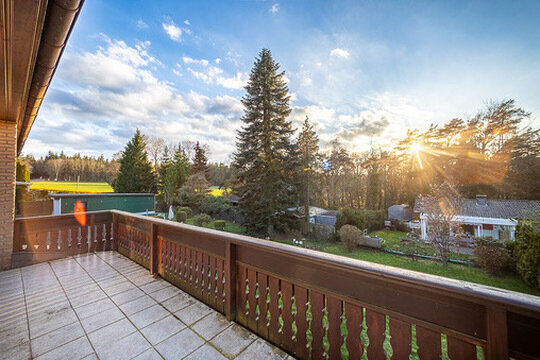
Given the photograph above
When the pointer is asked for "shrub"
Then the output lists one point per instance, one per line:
(491, 255)
(350, 235)
(527, 249)
(362, 219)
(214, 204)
(181, 216)
(202, 219)
(185, 209)
(219, 224)
(321, 232)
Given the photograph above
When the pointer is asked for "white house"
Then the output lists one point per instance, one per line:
(481, 217)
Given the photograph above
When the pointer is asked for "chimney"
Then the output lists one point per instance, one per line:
(481, 200)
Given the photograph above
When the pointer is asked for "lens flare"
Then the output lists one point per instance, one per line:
(80, 212)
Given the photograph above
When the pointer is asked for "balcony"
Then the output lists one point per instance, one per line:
(103, 304)
(219, 294)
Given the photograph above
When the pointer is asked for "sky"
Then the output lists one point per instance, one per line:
(363, 71)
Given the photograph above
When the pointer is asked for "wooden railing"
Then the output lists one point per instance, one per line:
(44, 238)
(315, 305)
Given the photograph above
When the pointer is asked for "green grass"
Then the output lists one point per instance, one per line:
(453, 271)
(392, 241)
(229, 226)
(84, 187)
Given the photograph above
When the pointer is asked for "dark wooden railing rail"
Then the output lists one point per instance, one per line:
(316, 305)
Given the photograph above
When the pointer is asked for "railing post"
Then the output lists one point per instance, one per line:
(230, 281)
(115, 232)
(497, 334)
(154, 250)
(92, 244)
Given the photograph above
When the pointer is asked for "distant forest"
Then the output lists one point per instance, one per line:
(491, 153)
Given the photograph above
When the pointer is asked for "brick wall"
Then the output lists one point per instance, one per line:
(8, 146)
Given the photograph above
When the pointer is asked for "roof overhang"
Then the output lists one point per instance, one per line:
(34, 35)
(479, 220)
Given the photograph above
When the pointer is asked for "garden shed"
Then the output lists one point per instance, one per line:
(131, 202)
(401, 212)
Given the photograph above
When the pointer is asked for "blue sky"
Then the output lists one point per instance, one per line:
(364, 71)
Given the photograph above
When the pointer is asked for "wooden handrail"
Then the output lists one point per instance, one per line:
(301, 299)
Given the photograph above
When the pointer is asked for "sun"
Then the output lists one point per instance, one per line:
(415, 149)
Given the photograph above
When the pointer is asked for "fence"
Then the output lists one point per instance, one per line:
(313, 304)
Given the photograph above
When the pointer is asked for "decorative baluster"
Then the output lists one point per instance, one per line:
(89, 236)
(36, 242)
(79, 237)
(69, 240)
(59, 240)
(48, 243)
(95, 233)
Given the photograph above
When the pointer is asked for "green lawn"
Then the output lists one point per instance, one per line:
(229, 226)
(454, 271)
(392, 241)
(84, 187)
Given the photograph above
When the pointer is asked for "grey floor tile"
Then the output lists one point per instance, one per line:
(112, 332)
(101, 319)
(155, 285)
(233, 340)
(126, 348)
(180, 345)
(211, 325)
(148, 316)
(206, 352)
(56, 338)
(162, 329)
(149, 354)
(137, 305)
(193, 313)
(19, 352)
(75, 350)
(50, 322)
(260, 349)
(13, 336)
(165, 293)
(94, 308)
(127, 296)
(178, 302)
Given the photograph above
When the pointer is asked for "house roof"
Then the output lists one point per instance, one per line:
(498, 209)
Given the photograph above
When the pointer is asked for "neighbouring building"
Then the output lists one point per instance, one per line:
(135, 203)
(483, 217)
(401, 212)
(316, 215)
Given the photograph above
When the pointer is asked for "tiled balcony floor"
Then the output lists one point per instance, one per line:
(104, 306)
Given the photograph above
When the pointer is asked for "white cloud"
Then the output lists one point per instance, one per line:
(237, 82)
(275, 8)
(187, 22)
(340, 53)
(141, 24)
(189, 60)
(174, 32)
(218, 61)
(103, 96)
(306, 81)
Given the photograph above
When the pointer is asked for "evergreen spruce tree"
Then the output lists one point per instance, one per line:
(174, 173)
(200, 161)
(136, 174)
(308, 148)
(266, 158)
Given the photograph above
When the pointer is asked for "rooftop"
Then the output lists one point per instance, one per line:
(498, 209)
(106, 306)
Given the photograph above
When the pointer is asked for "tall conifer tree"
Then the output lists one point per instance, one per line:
(308, 148)
(200, 161)
(136, 174)
(266, 158)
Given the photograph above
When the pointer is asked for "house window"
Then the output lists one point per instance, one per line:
(487, 226)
